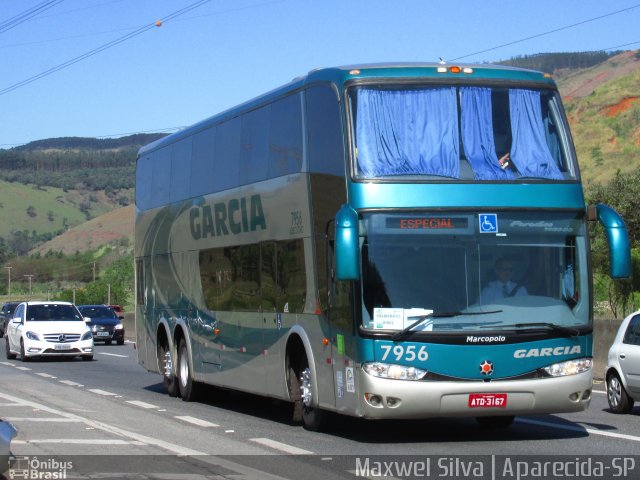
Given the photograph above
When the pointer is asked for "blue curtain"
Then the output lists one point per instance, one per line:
(477, 134)
(407, 132)
(529, 151)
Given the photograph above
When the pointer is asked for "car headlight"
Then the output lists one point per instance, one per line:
(32, 336)
(570, 367)
(119, 326)
(87, 335)
(396, 372)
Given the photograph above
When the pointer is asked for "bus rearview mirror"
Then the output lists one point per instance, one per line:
(346, 244)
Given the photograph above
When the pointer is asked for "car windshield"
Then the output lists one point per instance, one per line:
(98, 312)
(48, 312)
(445, 269)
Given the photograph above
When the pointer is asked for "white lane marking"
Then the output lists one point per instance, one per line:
(42, 419)
(8, 364)
(71, 383)
(601, 392)
(80, 441)
(140, 404)
(45, 375)
(197, 421)
(577, 428)
(102, 392)
(23, 368)
(11, 405)
(283, 447)
(113, 354)
(145, 440)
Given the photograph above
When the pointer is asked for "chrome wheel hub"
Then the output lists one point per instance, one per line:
(168, 364)
(306, 390)
(184, 368)
(614, 392)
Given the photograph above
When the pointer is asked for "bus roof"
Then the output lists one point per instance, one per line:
(366, 72)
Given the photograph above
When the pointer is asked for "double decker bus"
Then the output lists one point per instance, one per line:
(381, 241)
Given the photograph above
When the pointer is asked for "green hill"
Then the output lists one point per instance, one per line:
(603, 107)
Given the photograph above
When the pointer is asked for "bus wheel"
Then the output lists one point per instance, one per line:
(165, 361)
(496, 422)
(186, 384)
(312, 416)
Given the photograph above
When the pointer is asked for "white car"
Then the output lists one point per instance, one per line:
(40, 329)
(623, 366)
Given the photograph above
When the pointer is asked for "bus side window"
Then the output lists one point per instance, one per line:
(283, 277)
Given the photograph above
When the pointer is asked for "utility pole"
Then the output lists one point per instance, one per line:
(9, 273)
(29, 277)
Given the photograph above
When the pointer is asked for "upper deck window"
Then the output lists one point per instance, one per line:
(460, 133)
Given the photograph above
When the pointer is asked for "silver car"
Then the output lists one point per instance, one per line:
(623, 366)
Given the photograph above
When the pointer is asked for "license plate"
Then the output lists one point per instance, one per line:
(103, 334)
(487, 400)
(62, 346)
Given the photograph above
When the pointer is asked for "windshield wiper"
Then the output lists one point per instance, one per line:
(570, 331)
(402, 333)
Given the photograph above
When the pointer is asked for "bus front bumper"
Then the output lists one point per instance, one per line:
(386, 398)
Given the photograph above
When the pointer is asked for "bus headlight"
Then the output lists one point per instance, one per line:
(570, 367)
(396, 372)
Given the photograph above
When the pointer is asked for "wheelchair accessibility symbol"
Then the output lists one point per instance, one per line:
(488, 222)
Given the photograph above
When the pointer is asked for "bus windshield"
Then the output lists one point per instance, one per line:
(471, 133)
(530, 268)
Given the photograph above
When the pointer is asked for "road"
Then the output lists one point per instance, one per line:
(111, 416)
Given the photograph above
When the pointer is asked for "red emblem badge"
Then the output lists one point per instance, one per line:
(486, 367)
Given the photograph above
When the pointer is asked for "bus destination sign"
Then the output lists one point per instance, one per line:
(427, 223)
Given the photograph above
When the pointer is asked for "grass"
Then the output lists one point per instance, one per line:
(45, 209)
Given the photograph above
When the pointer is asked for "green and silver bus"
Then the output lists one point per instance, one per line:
(381, 241)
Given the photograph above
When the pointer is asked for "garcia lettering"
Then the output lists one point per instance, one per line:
(547, 352)
(238, 215)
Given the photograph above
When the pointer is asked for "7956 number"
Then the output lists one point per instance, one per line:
(408, 353)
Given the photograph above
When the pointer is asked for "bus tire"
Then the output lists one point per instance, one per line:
(168, 378)
(312, 416)
(496, 422)
(186, 384)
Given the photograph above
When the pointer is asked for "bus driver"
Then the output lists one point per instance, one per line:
(502, 286)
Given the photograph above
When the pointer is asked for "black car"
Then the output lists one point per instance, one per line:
(104, 323)
(5, 316)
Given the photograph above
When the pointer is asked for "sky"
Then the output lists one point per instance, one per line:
(103, 68)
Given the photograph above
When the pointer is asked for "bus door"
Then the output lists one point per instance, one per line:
(343, 341)
(343, 345)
